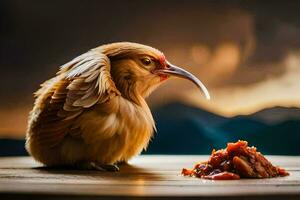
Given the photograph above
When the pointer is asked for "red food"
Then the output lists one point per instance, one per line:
(237, 161)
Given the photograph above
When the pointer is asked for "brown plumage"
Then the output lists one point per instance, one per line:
(93, 112)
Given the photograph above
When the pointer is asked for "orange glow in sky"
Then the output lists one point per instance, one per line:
(282, 91)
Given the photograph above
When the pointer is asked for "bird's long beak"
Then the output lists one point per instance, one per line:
(179, 72)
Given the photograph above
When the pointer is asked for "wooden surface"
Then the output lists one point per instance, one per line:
(145, 177)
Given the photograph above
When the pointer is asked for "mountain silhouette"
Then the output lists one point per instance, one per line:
(277, 114)
(184, 129)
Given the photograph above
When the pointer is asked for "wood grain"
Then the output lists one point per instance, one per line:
(145, 177)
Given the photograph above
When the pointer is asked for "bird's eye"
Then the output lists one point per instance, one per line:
(146, 61)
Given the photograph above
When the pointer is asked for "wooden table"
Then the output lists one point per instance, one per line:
(146, 177)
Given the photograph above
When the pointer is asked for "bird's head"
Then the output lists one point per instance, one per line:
(138, 69)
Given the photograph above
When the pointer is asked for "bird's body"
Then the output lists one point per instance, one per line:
(94, 110)
(97, 132)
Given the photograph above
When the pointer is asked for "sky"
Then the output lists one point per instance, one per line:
(246, 52)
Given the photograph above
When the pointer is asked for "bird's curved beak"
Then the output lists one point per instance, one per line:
(179, 72)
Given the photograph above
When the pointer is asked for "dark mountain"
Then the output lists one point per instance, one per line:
(277, 114)
(178, 111)
(282, 138)
(243, 125)
(184, 129)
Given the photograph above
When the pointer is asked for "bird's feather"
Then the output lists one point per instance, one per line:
(80, 84)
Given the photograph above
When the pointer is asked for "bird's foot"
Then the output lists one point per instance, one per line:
(105, 167)
(97, 166)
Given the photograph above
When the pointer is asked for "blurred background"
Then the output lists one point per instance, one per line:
(246, 52)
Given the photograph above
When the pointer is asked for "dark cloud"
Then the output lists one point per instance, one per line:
(38, 36)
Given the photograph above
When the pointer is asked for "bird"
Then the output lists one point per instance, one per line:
(93, 114)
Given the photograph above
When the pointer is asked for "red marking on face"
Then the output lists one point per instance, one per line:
(162, 61)
(163, 65)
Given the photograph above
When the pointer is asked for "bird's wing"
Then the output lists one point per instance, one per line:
(80, 84)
